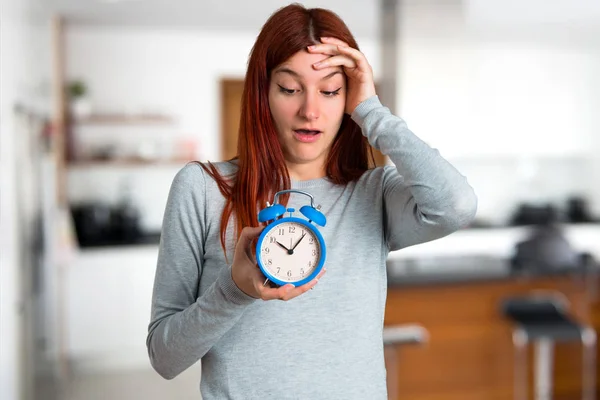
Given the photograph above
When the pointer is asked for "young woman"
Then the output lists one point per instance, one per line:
(309, 116)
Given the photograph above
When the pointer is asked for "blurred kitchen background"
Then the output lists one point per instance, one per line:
(103, 101)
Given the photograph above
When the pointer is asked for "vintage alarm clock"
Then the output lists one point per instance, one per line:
(290, 249)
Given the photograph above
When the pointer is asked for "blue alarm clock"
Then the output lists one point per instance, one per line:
(290, 249)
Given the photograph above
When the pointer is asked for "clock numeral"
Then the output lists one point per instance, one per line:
(314, 252)
(311, 240)
(278, 269)
(310, 264)
(302, 271)
(281, 231)
(271, 239)
(267, 250)
(269, 262)
(289, 273)
(292, 229)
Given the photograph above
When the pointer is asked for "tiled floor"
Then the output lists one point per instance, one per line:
(129, 385)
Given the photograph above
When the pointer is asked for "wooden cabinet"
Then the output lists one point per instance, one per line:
(470, 352)
(108, 299)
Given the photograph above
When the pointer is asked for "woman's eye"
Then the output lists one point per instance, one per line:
(286, 90)
(332, 93)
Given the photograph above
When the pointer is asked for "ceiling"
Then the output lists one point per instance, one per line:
(534, 12)
(362, 16)
(245, 15)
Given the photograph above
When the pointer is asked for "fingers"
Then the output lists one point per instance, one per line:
(295, 292)
(320, 274)
(334, 47)
(286, 292)
(268, 292)
(336, 61)
(358, 57)
(334, 41)
(280, 293)
(326, 49)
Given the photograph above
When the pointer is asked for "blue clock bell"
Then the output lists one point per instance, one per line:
(291, 249)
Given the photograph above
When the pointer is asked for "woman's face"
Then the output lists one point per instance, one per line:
(307, 107)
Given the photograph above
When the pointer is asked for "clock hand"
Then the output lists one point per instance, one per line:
(298, 242)
(286, 249)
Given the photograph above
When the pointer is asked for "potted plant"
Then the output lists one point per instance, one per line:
(79, 100)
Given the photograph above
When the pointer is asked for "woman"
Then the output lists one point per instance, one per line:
(309, 112)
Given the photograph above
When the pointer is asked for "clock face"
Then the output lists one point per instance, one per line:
(290, 251)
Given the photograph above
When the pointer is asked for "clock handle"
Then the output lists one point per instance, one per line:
(312, 200)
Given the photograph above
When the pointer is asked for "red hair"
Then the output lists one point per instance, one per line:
(261, 166)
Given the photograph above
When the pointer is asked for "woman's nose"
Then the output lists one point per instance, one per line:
(310, 108)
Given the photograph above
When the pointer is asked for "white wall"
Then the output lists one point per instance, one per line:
(9, 296)
(24, 76)
(513, 108)
(174, 71)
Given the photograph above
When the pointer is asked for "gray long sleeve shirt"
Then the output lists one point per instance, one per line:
(327, 343)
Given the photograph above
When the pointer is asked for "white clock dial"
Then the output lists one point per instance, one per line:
(290, 251)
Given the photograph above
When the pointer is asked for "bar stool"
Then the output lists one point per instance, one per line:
(394, 335)
(542, 319)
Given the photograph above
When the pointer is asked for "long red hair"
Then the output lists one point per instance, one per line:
(261, 166)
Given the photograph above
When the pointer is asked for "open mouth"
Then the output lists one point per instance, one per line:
(306, 135)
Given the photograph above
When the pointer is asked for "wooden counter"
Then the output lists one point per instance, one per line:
(469, 355)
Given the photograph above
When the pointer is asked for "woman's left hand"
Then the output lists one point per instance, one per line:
(356, 67)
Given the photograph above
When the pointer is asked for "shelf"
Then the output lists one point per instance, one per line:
(126, 162)
(124, 119)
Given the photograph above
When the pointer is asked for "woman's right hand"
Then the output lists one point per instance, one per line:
(248, 277)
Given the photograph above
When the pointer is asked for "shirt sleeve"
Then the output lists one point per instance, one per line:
(183, 327)
(425, 196)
